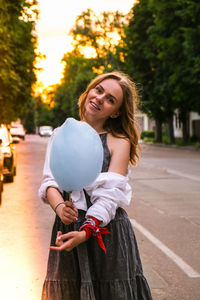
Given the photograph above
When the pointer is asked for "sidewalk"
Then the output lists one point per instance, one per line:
(189, 147)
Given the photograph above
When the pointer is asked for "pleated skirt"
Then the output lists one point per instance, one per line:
(87, 273)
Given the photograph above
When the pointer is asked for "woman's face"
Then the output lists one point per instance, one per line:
(104, 100)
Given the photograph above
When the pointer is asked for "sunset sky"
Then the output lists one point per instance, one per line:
(55, 20)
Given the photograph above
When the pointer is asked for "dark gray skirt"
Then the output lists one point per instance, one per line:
(87, 273)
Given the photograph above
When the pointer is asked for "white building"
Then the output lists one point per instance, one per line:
(144, 122)
(194, 124)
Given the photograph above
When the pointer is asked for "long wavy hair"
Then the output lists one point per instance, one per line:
(125, 124)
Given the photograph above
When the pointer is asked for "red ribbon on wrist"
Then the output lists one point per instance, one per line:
(91, 227)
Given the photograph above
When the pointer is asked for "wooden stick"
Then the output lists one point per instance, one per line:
(70, 198)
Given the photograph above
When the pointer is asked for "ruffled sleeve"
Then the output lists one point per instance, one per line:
(108, 192)
(47, 178)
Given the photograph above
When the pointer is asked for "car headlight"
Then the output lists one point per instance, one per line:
(6, 150)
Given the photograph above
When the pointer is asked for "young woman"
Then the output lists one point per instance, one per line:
(94, 253)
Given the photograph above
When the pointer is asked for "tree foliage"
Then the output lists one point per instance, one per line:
(176, 34)
(161, 50)
(17, 44)
(93, 35)
(157, 44)
(139, 60)
(98, 33)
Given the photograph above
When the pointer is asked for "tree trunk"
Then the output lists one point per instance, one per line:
(185, 129)
(158, 131)
(171, 129)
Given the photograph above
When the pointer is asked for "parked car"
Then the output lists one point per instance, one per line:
(9, 154)
(1, 172)
(17, 131)
(45, 130)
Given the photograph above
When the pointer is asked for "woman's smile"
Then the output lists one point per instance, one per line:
(94, 105)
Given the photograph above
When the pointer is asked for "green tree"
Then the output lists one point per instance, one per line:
(139, 59)
(43, 113)
(94, 34)
(17, 44)
(186, 77)
(161, 52)
(100, 34)
(77, 74)
(29, 119)
(176, 33)
(165, 34)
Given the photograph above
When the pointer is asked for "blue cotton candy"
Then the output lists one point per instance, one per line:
(76, 155)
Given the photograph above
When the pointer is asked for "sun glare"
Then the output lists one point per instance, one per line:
(19, 273)
(53, 48)
(24, 237)
(89, 52)
(56, 20)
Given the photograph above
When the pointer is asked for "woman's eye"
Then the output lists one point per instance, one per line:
(98, 89)
(111, 100)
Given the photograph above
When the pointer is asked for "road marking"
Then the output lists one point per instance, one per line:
(189, 271)
(192, 177)
(171, 171)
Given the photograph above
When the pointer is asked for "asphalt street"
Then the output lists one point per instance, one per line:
(166, 203)
(165, 213)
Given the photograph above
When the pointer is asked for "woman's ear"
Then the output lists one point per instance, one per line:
(115, 115)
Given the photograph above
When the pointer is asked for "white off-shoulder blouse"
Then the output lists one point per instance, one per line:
(108, 192)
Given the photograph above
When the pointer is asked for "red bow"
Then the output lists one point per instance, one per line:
(91, 227)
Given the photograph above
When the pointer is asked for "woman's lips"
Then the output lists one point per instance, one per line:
(94, 105)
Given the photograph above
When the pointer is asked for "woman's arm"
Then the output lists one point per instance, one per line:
(120, 154)
(47, 177)
(50, 193)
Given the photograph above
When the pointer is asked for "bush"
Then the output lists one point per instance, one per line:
(149, 140)
(197, 145)
(147, 134)
(180, 142)
(165, 139)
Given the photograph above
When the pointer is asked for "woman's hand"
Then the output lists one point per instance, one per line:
(74, 238)
(67, 212)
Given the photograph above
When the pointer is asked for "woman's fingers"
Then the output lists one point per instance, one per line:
(70, 211)
(59, 248)
(65, 236)
(67, 245)
(58, 240)
(68, 219)
(71, 207)
(59, 233)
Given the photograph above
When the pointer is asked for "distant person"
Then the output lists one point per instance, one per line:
(100, 260)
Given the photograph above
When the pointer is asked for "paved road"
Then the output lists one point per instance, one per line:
(165, 213)
(25, 226)
(167, 204)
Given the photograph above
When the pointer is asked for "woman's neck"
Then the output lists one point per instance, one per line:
(96, 124)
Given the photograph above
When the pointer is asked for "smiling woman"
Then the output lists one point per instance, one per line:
(93, 253)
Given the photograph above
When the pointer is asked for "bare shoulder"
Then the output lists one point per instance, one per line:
(118, 143)
(120, 154)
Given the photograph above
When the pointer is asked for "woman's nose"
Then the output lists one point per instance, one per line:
(100, 99)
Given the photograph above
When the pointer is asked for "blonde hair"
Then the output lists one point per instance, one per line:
(125, 124)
